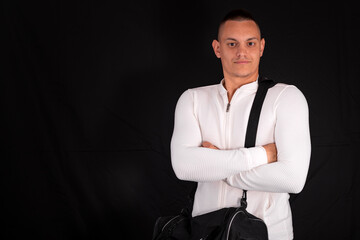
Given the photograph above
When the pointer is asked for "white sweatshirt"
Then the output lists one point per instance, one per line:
(204, 114)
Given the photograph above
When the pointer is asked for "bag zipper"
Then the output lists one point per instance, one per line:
(232, 219)
(169, 222)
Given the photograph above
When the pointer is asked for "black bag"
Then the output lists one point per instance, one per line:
(227, 223)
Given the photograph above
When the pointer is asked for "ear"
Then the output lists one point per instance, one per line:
(262, 46)
(216, 47)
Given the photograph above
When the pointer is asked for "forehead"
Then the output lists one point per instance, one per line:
(239, 30)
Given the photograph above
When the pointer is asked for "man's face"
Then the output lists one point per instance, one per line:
(239, 48)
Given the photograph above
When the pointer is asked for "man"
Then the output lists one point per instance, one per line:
(207, 145)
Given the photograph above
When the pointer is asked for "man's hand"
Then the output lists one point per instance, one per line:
(271, 152)
(208, 145)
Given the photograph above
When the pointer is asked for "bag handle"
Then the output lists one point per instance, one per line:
(253, 122)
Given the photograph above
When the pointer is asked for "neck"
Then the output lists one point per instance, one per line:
(233, 83)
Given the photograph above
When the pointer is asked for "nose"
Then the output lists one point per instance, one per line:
(241, 50)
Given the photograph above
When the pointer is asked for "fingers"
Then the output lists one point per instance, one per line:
(271, 152)
(208, 145)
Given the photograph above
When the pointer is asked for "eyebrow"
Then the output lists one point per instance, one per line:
(249, 39)
(252, 38)
(230, 39)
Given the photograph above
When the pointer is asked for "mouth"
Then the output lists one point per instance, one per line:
(242, 62)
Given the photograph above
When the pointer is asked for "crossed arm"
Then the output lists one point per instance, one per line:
(192, 162)
(272, 168)
(270, 149)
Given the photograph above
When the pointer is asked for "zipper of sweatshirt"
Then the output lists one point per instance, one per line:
(227, 131)
(227, 126)
(228, 107)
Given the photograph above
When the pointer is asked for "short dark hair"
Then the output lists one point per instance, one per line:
(238, 15)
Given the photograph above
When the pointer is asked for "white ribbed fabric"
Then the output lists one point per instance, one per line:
(201, 115)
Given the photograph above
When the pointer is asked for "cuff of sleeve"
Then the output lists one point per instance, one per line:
(258, 157)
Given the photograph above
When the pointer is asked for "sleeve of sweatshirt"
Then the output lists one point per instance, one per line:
(292, 139)
(192, 162)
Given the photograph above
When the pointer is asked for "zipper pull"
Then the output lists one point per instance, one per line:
(227, 107)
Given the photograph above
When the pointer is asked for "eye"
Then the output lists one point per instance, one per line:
(251, 44)
(232, 44)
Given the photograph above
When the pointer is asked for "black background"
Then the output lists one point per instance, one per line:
(88, 92)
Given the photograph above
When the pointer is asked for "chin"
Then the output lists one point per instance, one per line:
(242, 75)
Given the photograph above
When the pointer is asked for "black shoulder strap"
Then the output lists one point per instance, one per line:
(264, 85)
(253, 122)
